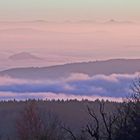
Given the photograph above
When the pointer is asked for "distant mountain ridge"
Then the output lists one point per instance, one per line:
(106, 67)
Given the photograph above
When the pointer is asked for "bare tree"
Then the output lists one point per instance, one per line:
(107, 121)
(93, 130)
(30, 125)
(36, 124)
(70, 132)
(136, 91)
(128, 125)
(75, 136)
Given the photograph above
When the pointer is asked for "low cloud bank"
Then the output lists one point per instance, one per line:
(77, 85)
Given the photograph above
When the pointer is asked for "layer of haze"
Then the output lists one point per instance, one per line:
(58, 43)
(68, 31)
(76, 85)
(51, 32)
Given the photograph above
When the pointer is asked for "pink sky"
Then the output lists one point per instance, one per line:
(58, 43)
(69, 31)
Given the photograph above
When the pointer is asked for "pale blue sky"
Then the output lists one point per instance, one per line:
(69, 9)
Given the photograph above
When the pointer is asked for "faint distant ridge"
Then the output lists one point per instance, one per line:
(27, 21)
(23, 56)
(113, 21)
(89, 21)
(82, 21)
(39, 20)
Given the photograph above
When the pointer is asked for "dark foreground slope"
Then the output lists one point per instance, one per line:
(71, 113)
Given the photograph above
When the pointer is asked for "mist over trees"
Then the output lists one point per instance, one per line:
(72, 120)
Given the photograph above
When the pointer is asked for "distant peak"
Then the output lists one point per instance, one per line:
(23, 56)
(113, 21)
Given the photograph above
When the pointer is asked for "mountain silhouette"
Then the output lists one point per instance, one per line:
(107, 67)
(23, 56)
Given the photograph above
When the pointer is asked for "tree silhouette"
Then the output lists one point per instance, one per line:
(105, 123)
(34, 124)
(128, 126)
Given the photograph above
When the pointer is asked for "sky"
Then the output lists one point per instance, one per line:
(40, 33)
(59, 10)
(59, 43)
(65, 31)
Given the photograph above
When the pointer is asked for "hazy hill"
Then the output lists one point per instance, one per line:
(118, 66)
(23, 56)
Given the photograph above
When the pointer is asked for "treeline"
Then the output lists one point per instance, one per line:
(54, 120)
(72, 113)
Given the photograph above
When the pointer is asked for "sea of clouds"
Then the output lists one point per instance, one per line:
(76, 85)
